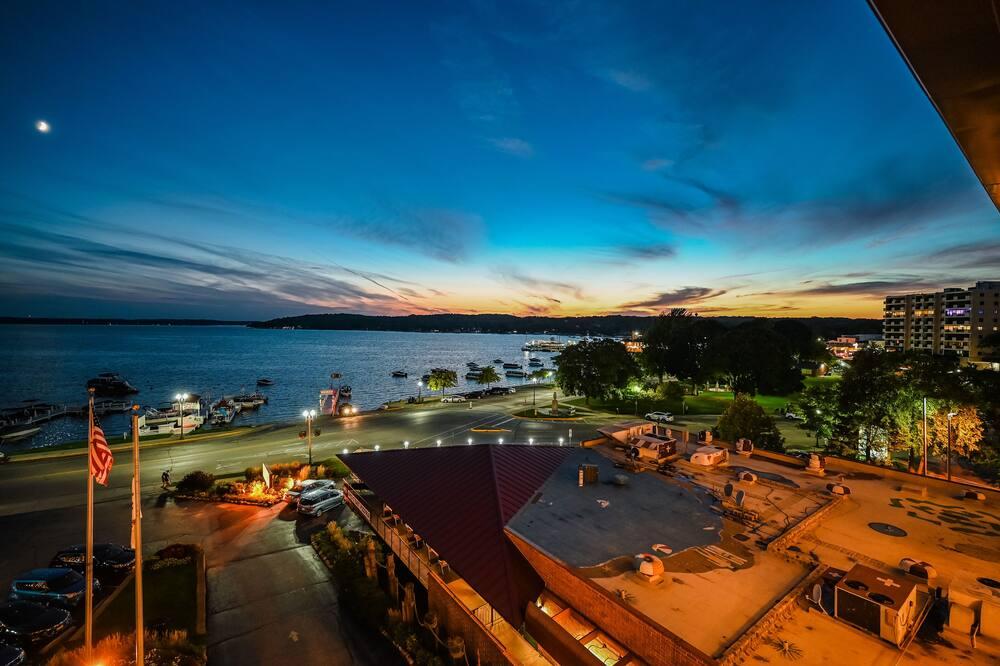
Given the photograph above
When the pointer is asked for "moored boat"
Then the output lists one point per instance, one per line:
(110, 384)
(498, 360)
(399, 374)
(516, 373)
(512, 366)
(264, 381)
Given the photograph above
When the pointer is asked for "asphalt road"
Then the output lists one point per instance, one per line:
(268, 595)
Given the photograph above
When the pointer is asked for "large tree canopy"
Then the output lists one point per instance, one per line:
(755, 359)
(595, 369)
(745, 418)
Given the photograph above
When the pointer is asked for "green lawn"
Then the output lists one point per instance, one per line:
(168, 594)
(706, 402)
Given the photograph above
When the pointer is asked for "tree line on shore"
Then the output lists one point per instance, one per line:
(873, 412)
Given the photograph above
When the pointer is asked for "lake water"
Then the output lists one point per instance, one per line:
(53, 364)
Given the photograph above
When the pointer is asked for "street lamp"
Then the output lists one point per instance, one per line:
(309, 415)
(531, 440)
(439, 442)
(420, 387)
(181, 398)
(534, 383)
(470, 441)
(501, 440)
(377, 447)
(345, 452)
(948, 464)
(560, 441)
(406, 445)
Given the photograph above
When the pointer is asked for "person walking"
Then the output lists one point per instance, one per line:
(165, 479)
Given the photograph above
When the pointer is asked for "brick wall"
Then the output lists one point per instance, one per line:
(480, 645)
(651, 642)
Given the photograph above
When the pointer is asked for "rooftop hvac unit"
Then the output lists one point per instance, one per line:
(876, 602)
(587, 475)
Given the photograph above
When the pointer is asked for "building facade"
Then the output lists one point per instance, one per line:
(954, 321)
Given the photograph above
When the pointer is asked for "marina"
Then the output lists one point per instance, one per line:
(214, 362)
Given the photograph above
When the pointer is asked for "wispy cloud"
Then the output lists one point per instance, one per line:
(656, 163)
(628, 79)
(513, 146)
(681, 297)
(541, 287)
(644, 252)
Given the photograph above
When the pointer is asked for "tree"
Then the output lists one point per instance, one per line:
(595, 369)
(745, 418)
(659, 353)
(442, 379)
(873, 402)
(819, 406)
(804, 344)
(966, 430)
(488, 375)
(756, 359)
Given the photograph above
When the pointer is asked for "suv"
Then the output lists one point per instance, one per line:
(24, 623)
(111, 561)
(319, 501)
(501, 390)
(56, 586)
(660, 417)
(307, 485)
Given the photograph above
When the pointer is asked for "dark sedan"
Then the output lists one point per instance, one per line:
(111, 561)
(25, 623)
(58, 587)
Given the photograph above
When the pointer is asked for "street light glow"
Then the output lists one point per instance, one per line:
(345, 451)
(43, 127)
(439, 442)
(377, 447)
(470, 441)
(501, 440)
(406, 445)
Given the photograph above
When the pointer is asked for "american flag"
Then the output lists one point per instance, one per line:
(100, 454)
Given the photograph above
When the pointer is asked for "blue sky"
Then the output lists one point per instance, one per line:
(250, 160)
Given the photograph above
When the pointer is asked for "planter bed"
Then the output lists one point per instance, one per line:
(228, 499)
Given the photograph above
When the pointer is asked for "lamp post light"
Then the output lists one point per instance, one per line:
(309, 415)
(439, 442)
(560, 441)
(377, 447)
(345, 452)
(470, 441)
(406, 444)
(500, 440)
(948, 463)
(420, 388)
(534, 384)
(181, 398)
(531, 440)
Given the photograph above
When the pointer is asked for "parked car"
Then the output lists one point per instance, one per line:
(792, 416)
(11, 655)
(111, 561)
(25, 623)
(660, 417)
(317, 502)
(57, 586)
(292, 494)
(453, 398)
(474, 395)
(501, 390)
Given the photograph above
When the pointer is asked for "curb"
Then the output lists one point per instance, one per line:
(118, 448)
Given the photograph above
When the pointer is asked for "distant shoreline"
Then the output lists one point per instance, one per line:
(100, 321)
(604, 325)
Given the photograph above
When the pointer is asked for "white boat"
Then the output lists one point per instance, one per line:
(516, 373)
(16, 433)
(475, 374)
(550, 345)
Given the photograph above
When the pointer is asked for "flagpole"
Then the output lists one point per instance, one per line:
(89, 555)
(140, 650)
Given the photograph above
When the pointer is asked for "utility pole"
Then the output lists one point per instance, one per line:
(88, 567)
(140, 648)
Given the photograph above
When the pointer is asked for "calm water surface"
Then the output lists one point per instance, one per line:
(53, 364)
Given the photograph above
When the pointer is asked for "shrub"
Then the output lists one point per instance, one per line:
(671, 390)
(224, 489)
(196, 481)
(745, 418)
(333, 468)
(252, 474)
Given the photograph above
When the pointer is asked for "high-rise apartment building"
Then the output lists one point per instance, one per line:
(953, 321)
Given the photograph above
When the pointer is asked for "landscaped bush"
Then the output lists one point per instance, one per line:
(333, 468)
(171, 648)
(196, 481)
(223, 489)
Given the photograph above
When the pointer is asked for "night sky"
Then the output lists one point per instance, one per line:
(244, 160)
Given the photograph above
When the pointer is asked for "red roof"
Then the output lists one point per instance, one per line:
(459, 498)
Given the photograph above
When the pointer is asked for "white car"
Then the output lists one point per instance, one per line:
(292, 494)
(660, 417)
(319, 501)
(792, 416)
(453, 398)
